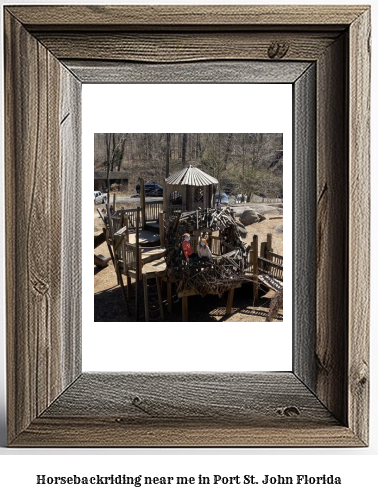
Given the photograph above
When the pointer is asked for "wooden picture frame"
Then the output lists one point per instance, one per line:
(49, 52)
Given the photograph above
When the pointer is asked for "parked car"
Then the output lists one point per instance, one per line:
(223, 199)
(151, 189)
(99, 197)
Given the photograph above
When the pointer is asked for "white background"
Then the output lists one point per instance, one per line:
(181, 346)
(357, 467)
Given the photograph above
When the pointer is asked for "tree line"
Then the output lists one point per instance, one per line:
(248, 163)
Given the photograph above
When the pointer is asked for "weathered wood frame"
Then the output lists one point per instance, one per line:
(324, 400)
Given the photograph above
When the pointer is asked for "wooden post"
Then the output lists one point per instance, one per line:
(165, 196)
(127, 230)
(143, 202)
(137, 265)
(110, 220)
(118, 273)
(145, 293)
(263, 254)
(128, 282)
(185, 308)
(269, 247)
(255, 257)
(161, 227)
(230, 299)
(101, 215)
(169, 295)
(111, 235)
(128, 279)
(106, 231)
(263, 250)
(158, 287)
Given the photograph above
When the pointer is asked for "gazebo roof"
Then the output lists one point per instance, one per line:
(191, 176)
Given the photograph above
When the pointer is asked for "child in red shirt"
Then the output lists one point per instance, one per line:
(186, 248)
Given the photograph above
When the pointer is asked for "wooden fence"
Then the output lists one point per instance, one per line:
(260, 199)
(267, 262)
(152, 210)
(151, 214)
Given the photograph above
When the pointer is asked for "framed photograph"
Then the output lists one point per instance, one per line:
(253, 165)
(324, 53)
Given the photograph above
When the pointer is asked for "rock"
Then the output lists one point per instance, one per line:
(279, 229)
(249, 217)
(242, 229)
(257, 207)
(276, 205)
(264, 209)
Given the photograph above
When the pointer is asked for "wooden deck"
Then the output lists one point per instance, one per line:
(145, 238)
(151, 259)
(154, 268)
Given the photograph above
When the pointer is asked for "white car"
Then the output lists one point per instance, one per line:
(99, 197)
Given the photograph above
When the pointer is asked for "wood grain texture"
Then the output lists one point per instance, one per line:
(332, 230)
(200, 72)
(70, 161)
(220, 396)
(33, 275)
(196, 409)
(180, 47)
(359, 226)
(173, 16)
(34, 239)
(42, 147)
(304, 228)
(100, 432)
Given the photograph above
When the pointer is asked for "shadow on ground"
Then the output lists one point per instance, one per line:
(110, 307)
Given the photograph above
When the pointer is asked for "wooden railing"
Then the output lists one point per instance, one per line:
(126, 254)
(215, 244)
(260, 199)
(152, 210)
(269, 267)
(129, 255)
(121, 216)
(267, 262)
(151, 214)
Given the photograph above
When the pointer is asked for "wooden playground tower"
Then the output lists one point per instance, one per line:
(138, 241)
(187, 190)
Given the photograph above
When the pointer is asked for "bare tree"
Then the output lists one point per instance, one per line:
(184, 143)
(248, 163)
(167, 154)
(255, 176)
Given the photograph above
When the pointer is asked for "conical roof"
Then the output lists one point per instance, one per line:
(191, 176)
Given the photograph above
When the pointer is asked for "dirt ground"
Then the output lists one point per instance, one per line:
(109, 305)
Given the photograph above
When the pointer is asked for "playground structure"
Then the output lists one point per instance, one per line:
(187, 190)
(145, 246)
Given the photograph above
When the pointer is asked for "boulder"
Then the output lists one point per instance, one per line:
(249, 217)
(264, 209)
(279, 229)
(262, 217)
(242, 230)
(258, 208)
